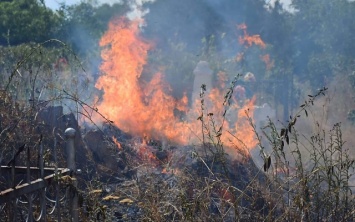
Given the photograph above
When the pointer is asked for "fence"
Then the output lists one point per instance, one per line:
(47, 193)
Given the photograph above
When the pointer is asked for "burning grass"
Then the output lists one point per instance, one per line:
(214, 176)
(212, 186)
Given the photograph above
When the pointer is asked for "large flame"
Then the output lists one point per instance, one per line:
(147, 109)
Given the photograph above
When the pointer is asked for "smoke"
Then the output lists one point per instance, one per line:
(185, 32)
(286, 4)
(137, 11)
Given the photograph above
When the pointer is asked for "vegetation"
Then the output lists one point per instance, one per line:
(304, 170)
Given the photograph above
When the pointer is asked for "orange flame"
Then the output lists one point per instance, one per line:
(146, 154)
(134, 109)
(268, 62)
(147, 108)
(115, 141)
(243, 129)
(249, 40)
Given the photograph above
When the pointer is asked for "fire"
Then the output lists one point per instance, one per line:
(147, 109)
(243, 130)
(249, 40)
(146, 154)
(268, 62)
(136, 109)
(115, 141)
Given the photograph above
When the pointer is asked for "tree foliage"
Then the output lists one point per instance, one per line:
(24, 21)
(323, 36)
(83, 24)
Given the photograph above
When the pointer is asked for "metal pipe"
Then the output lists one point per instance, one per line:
(70, 148)
(70, 136)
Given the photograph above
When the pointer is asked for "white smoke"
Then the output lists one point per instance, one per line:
(286, 4)
(137, 12)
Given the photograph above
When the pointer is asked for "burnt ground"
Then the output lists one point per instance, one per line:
(125, 178)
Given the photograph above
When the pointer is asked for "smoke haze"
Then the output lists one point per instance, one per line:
(284, 56)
